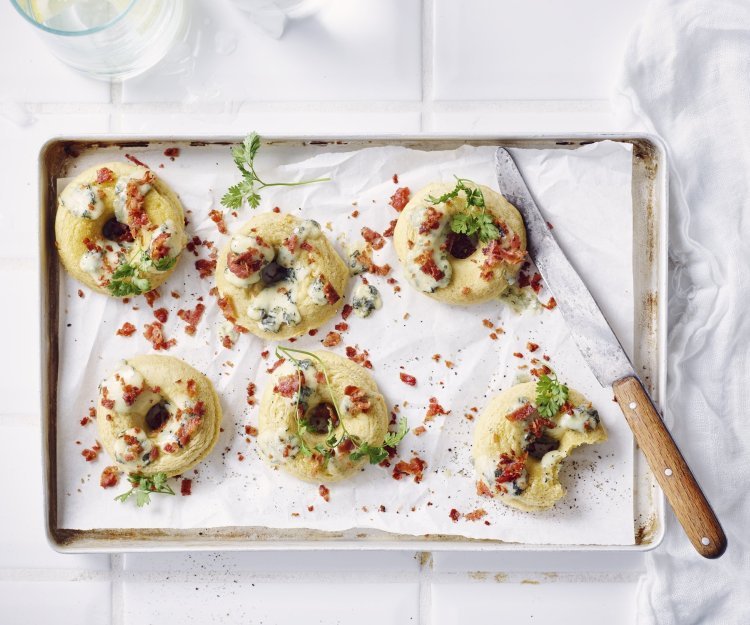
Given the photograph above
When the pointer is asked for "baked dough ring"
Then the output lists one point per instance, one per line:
(168, 426)
(127, 202)
(309, 295)
(503, 448)
(361, 405)
(420, 239)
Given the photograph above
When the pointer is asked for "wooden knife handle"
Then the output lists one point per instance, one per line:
(672, 472)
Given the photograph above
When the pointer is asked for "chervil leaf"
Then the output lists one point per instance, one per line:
(550, 395)
(474, 220)
(394, 438)
(143, 487)
(246, 190)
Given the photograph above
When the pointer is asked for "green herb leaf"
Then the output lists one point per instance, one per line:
(164, 264)
(550, 395)
(474, 220)
(392, 439)
(246, 190)
(143, 486)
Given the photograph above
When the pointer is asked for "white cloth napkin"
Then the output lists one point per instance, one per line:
(687, 78)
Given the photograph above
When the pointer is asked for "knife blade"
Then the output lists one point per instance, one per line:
(606, 358)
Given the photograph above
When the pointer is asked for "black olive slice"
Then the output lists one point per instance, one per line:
(320, 416)
(460, 245)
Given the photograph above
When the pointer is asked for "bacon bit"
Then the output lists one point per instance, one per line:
(455, 515)
(103, 175)
(407, 379)
(264, 354)
(331, 339)
(510, 468)
(110, 477)
(275, 365)
(419, 430)
(537, 426)
(536, 283)
(205, 267)
(360, 400)
(436, 357)
(127, 329)
(192, 318)
(80, 294)
(431, 220)
(154, 333)
(395, 178)
(450, 364)
(162, 314)
(186, 487)
(552, 303)
(483, 490)
(522, 413)
(331, 295)
(226, 309)
(400, 198)
(388, 232)
(172, 153)
(192, 388)
(133, 159)
(251, 393)
(532, 347)
(324, 493)
(89, 454)
(493, 336)
(342, 327)
(415, 467)
(427, 265)
(359, 358)
(288, 385)
(151, 296)
(487, 323)
(106, 401)
(540, 371)
(218, 218)
(434, 409)
(475, 515)
(546, 357)
(495, 254)
(251, 431)
(373, 238)
(346, 311)
(518, 354)
(310, 508)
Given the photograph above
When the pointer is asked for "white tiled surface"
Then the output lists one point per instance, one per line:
(371, 66)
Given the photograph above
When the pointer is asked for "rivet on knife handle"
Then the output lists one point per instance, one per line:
(672, 472)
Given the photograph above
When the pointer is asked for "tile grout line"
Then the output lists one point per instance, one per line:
(425, 587)
(428, 8)
(116, 595)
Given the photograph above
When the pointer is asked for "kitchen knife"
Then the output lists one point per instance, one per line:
(607, 360)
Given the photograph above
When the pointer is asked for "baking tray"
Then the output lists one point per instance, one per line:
(649, 192)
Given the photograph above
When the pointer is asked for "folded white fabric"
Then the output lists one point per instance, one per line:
(687, 78)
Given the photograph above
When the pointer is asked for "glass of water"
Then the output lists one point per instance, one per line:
(108, 39)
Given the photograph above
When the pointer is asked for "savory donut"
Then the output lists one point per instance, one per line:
(315, 397)
(279, 277)
(452, 267)
(517, 453)
(119, 229)
(157, 414)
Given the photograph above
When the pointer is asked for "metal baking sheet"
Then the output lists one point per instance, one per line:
(649, 192)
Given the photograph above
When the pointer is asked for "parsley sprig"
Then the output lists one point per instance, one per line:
(250, 185)
(475, 220)
(375, 454)
(128, 279)
(551, 394)
(144, 486)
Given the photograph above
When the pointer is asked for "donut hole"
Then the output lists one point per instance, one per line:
(117, 231)
(538, 447)
(157, 416)
(273, 273)
(460, 245)
(320, 416)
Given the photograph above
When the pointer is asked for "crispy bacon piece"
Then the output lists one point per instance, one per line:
(134, 203)
(160, 247)
(276, 365)
(291, 243)
(427, 265)
(251, 388)
(419, 430)
(532, 347)
(189, 426)
(342, 327)
(475, 515)
(414, 467)
(483, 490)
(172, 152)
(400, 198)
(108, 403)
(331, 339)
(324, 493)
(360, 358)
(89, 454)
(186, 487)
(495, 254)
(133, 159)
(455, 515)
(537, 426)
(127, 329)
(373, 238)
(110, 477)
(359, 398)
(151, 296)
(388, 232)
(162, 314)
(226, 309)
(331, 295)
(154, 332)
(540, 371)
(192, 317)
(510, 467)
(410, 380)
(536, 283)
(192, 388)
(251, 431)
(205, 267)
(288, 385)
(552, 303)
(434, 409)
(431, 220)
(245, 264)
(103, 175)
(522, 413)
(346, 311)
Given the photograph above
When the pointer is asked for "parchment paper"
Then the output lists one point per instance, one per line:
(585, 194)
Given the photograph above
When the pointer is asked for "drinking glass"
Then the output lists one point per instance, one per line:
(108, 39)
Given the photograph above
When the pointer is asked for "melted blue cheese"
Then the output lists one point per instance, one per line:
(93, 261)
(365, 299)
(316, 291)
(430, 242)
(310, 384)
(488, 472)
(307, 229)
(239, 244)
(227, 330)
(278, 446)
(135, 452)
(83, 201)
(583, 419)
(125, 376)
(120, 201)
(276, 305)
(167, 228)
(355, 257)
